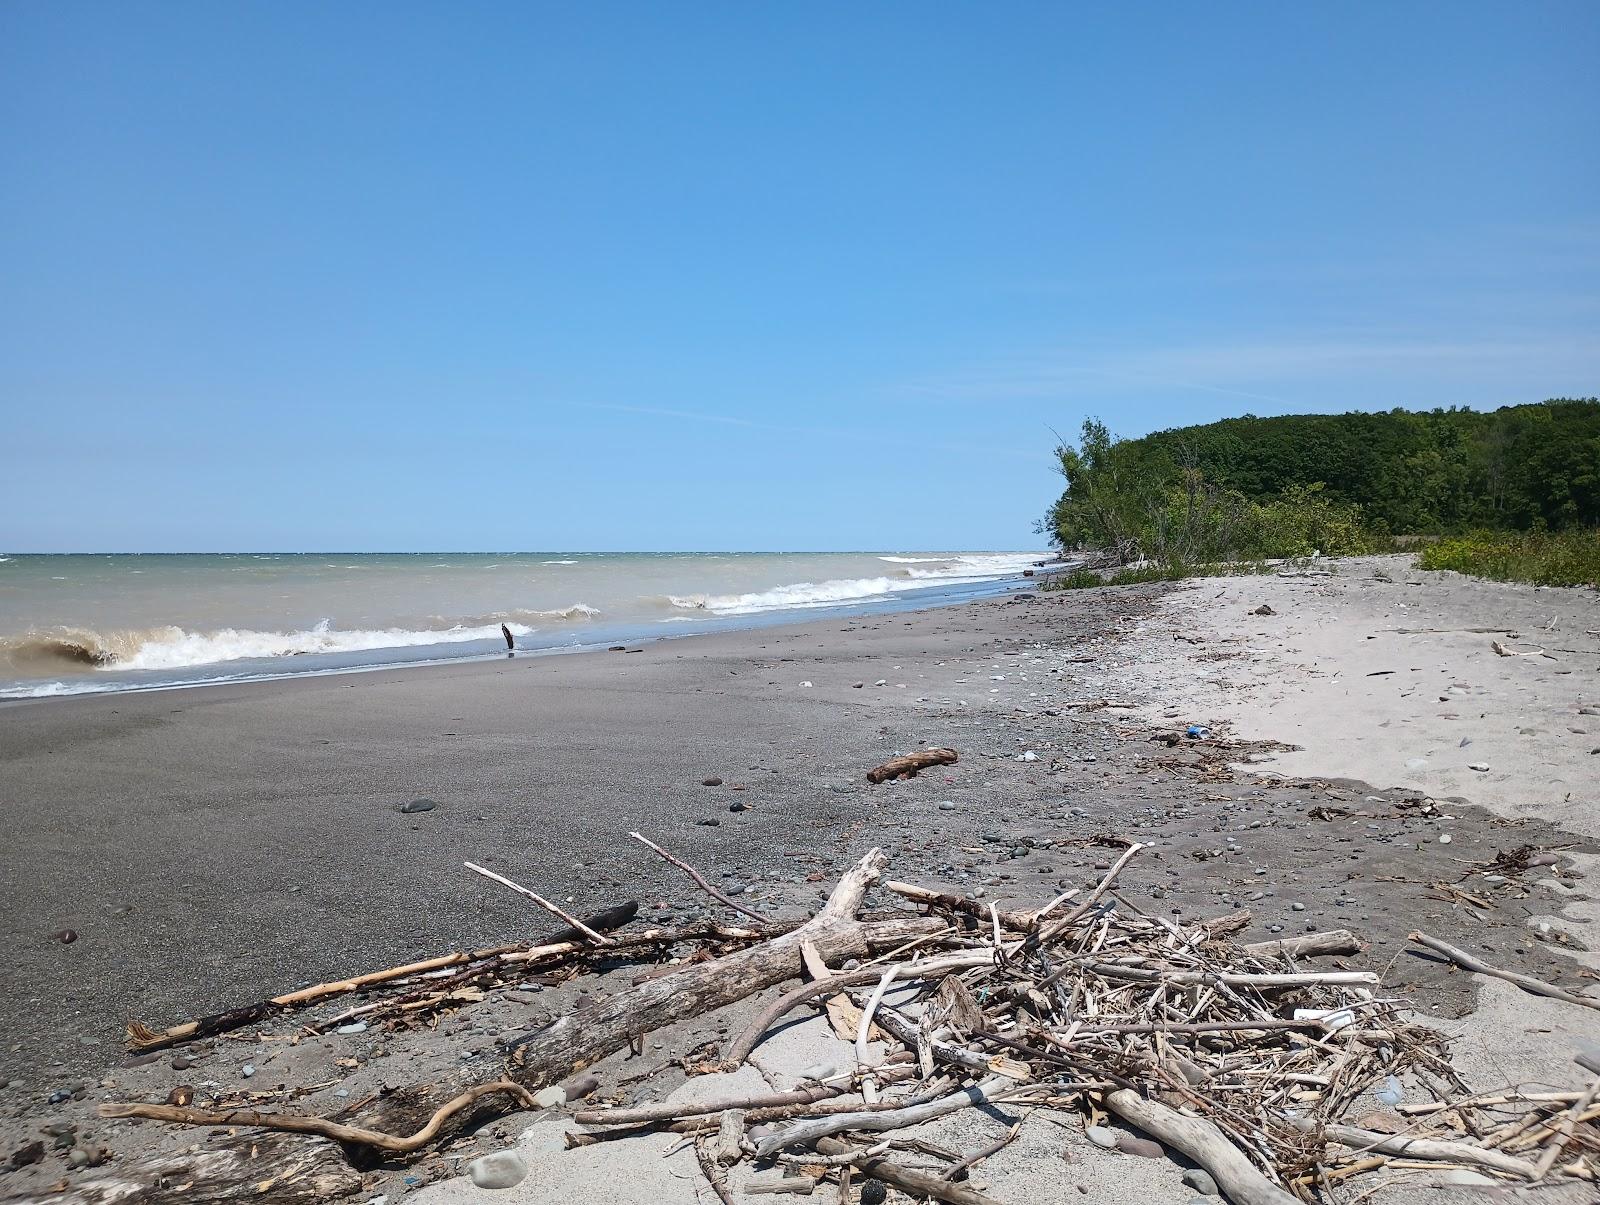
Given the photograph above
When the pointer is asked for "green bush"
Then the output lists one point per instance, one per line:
(1569, 558)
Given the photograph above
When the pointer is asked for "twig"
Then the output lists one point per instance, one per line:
(805, 1133)
(972, 1160)
(554, 910)
(918, 1183)
(699, 878)
(1564, 1132)
(931, 968)
(1093, 897)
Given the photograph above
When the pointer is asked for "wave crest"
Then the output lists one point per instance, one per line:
(176, 648)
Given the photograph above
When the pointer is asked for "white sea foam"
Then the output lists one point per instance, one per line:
(803, 595)
(915, 560)
(178, 648)
(558, 562)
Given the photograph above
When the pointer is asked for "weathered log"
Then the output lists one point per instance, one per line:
(543, 1057)
(1203, 1142)
(1334, 941)
(908, 765)
(1405, 1147)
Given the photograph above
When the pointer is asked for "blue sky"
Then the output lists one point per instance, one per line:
(717, 275)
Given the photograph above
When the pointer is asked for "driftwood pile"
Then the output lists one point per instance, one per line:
(1245, 1059)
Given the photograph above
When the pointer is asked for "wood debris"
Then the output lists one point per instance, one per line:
(1242, 1058)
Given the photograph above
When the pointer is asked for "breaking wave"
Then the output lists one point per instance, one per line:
(801, 595)
(176, 648)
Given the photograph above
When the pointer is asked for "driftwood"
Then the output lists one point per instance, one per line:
(1334, 941)
(1203, 1142)
(1526, 982)
(910, 764)
(1171, 1027)
(931, 968)
(917, 1183)
(1022, 922)
(806, 1133)
(322, 1126)
(549, 1055)
(553, 909)
(1406, 1147)
(142, 1038)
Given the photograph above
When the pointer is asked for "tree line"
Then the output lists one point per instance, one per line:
(1336, 483)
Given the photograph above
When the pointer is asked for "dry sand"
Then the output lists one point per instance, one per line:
(255, 830)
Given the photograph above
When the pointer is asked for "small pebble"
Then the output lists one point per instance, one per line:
(1130, 1144)
(1102, 1137)
(247, 1070)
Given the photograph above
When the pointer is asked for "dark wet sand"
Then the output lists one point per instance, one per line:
(212, 846)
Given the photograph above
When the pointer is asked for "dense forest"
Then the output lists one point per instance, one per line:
(1292, 484)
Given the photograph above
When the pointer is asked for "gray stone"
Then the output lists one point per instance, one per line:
(502, 1169)
(1130, 1144)
(551, 1097)
(418, 805)
(1102, 1136)
(1200, 1180)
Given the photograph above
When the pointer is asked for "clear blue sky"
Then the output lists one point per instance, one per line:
(732, 275)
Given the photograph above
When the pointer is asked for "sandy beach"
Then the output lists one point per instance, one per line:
(213, 846)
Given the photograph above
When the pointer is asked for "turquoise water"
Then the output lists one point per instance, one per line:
(77, 624)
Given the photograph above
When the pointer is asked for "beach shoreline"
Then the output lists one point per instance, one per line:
(212, 847)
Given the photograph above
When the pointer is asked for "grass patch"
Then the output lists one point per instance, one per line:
(1569, 558)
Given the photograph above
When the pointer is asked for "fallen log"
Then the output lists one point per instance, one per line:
(537, 1059)
(908, 765)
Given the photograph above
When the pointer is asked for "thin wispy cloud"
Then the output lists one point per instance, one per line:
(1272, 370)
(857, 434)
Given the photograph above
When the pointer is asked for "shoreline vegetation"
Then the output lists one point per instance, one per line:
(1512, 495)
